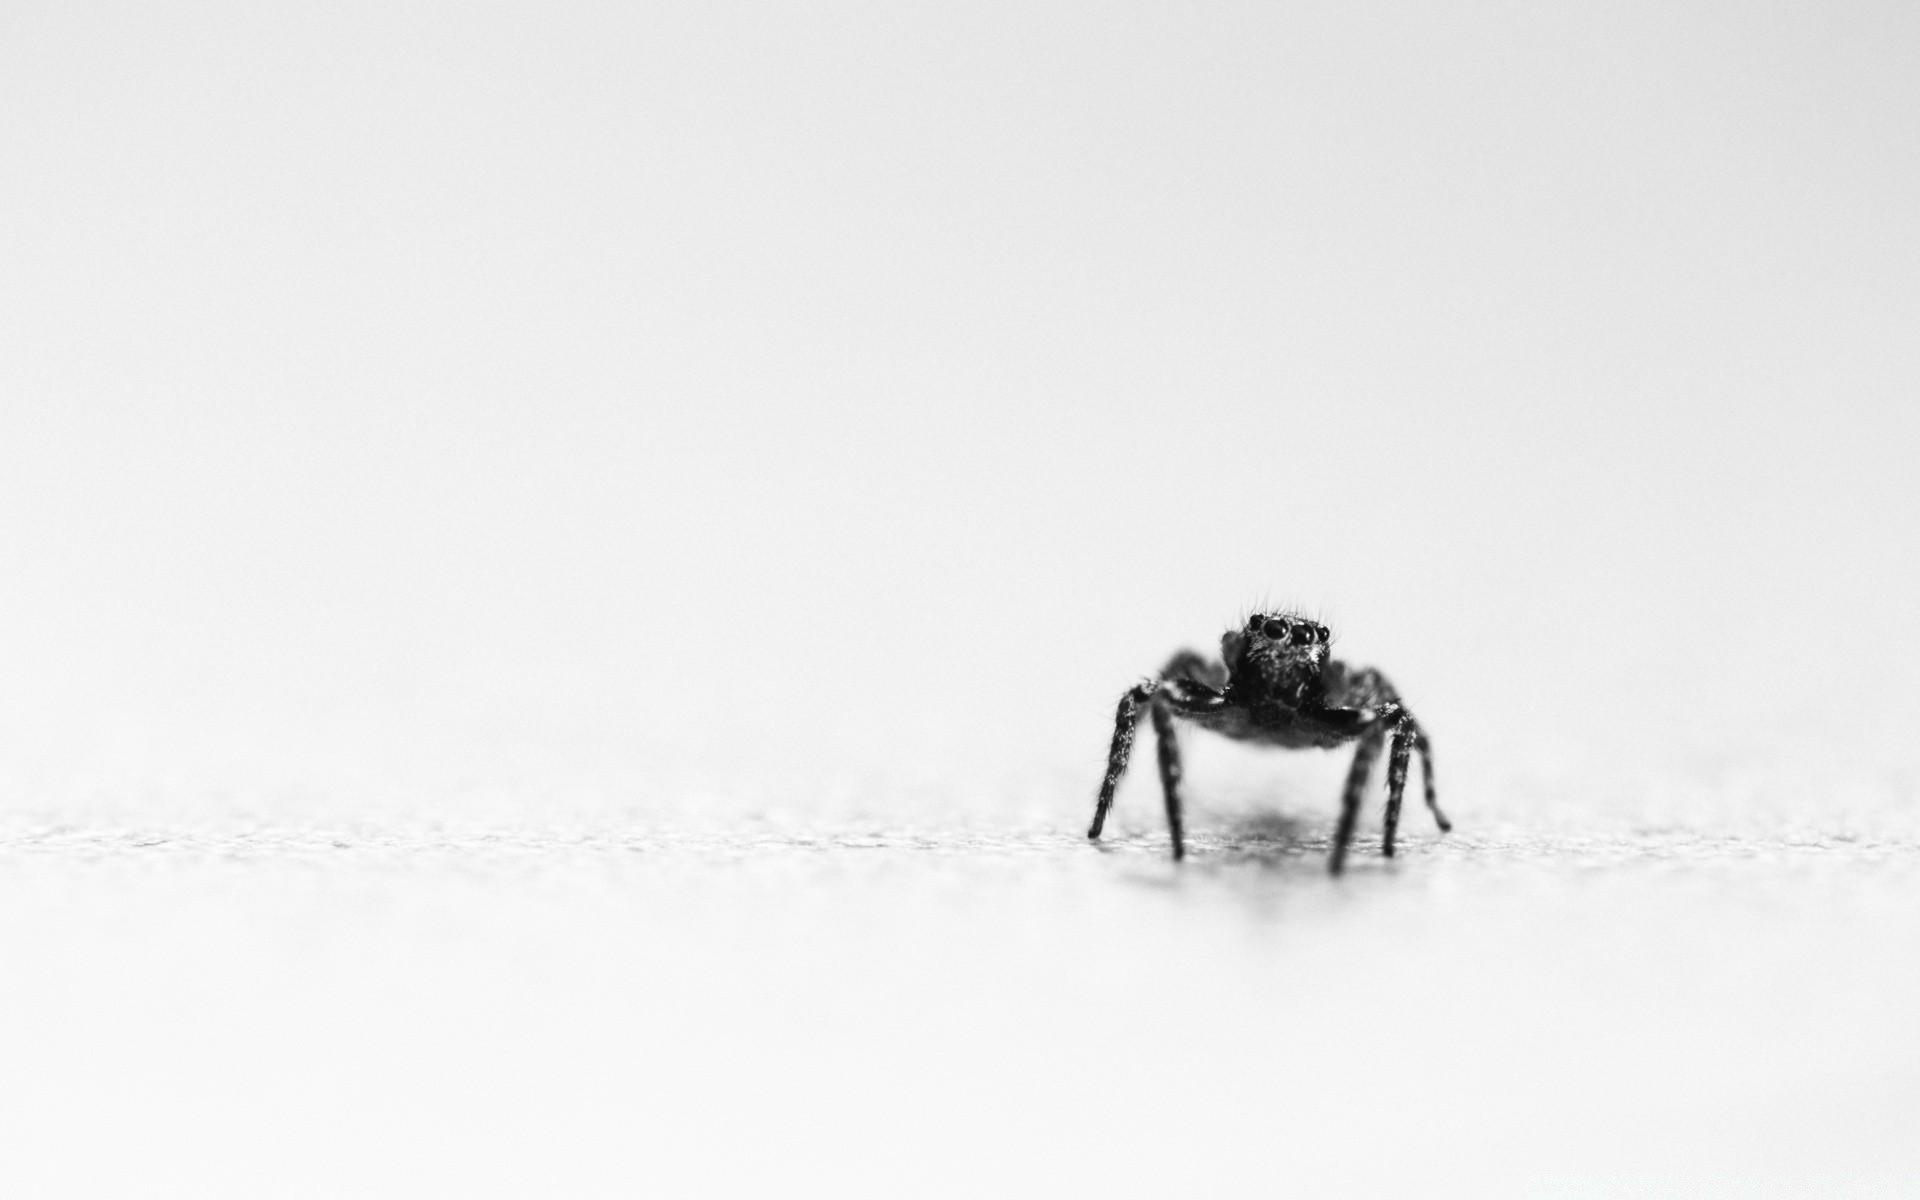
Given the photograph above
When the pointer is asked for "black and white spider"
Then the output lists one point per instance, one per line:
(1276, 685)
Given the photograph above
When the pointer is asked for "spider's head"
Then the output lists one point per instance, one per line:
(1276, 657)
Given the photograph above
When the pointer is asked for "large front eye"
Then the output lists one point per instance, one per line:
(1275, 629)
(1302, 634)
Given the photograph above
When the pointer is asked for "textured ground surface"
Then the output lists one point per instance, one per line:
(876, 991)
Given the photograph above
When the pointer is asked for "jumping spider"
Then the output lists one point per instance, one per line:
(1276, 684)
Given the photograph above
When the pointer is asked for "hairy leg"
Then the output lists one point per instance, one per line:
(1426, 777)
(1362, 687)
(1403, 738)
(1368, 695)
(1198, 668)
(1124, 719)
(1190, 683)
(1363, 756)
(1169, 775)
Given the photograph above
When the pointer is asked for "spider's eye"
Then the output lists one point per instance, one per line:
(1274, 628)
(1320, 634)
(1302, 634)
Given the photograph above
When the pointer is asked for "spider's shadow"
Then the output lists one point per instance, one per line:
(1271, 828)
(1270, 841)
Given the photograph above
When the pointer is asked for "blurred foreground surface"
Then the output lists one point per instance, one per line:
(907, 991)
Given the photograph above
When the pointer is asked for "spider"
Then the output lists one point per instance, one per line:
(1276, 684)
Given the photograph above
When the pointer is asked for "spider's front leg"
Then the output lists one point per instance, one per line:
(1169, 775)
(1124, 719)
(1367, 693)
(1194, 667)
(1408, 736)
(1396, 783)
(1363, 756)
(1184, 686)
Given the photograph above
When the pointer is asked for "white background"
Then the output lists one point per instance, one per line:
(502, 506)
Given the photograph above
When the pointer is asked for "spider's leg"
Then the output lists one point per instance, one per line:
(1426, 777)
(1195, 667)
(1364, 687)
(1404, 736)
(1363, 756)
(1169, 774)
(1124, 720)
(1367, 690)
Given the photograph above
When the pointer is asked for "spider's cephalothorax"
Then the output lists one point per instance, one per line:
(1275, 683)
(1275, 661)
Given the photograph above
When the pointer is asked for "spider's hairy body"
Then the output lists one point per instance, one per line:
(1275, 684)
(1276, 728)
